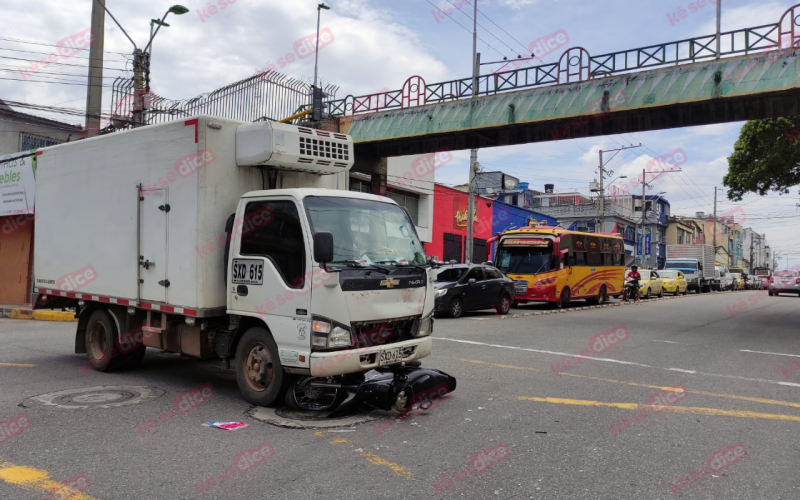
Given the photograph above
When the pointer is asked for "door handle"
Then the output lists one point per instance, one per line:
(242, 290)
(483, 287)
(146, 263)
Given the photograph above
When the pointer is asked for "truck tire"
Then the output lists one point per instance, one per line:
(101, 339)
(259, 372)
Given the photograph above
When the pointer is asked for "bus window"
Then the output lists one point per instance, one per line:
(595, 258)
(580, 259)
(525, 259)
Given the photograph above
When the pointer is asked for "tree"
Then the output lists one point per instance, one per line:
(766, 157)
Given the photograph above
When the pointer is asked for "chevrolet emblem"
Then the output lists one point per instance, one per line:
(390, 283)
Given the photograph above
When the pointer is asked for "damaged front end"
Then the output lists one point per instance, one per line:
(395, 387)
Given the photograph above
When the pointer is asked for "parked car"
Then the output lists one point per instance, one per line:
(651, 283)
(470, 287)
(754, 282)
(785, 282)
(729, 282)
(674, 281)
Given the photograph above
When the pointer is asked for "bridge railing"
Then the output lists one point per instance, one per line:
(577, 65)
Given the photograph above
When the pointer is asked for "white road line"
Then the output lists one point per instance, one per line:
(692, 372)
(772, 353)
(608, 360)
(666, 341)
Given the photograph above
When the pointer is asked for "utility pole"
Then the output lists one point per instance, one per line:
(602, 188)
(94, 91)
(719, 27)
(473, 154)
(752, 241)
(714, 221)
(644, 204)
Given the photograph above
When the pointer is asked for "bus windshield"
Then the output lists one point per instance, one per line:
(525, 259)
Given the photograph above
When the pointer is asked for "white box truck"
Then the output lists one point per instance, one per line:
(697, 264)
(217, 238)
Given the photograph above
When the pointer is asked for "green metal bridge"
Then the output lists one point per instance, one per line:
(755, 74)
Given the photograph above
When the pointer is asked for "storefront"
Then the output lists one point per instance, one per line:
(450, 225)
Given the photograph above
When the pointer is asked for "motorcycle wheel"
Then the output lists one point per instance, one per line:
(301, 396)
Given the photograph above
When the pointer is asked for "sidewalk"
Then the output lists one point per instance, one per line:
(24, 312)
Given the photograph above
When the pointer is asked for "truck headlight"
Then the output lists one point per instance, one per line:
(339, 337)
(425, 327)
(327, 334)
(440, 292)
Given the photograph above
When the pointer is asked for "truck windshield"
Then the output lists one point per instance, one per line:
(365, 232)
(525, 260)
(685, 266)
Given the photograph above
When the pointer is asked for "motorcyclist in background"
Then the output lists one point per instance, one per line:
(635, 277)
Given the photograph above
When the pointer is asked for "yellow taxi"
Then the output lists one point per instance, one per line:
(674, 281)
(651, 284)
(738, 273)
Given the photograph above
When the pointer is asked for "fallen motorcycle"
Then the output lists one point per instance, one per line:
(395, 387)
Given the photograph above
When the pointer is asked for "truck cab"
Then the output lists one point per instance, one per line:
(340, 279)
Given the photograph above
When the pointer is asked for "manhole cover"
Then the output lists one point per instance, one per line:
(298, 419)
(87, 398)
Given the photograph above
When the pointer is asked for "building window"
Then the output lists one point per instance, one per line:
(408, 200)
(31, 141)
(359, 186)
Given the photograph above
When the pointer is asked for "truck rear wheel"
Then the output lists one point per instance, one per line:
(101, 337)
(259, 373)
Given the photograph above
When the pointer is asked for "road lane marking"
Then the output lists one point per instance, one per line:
(608, 360)
(762, 352)
(665, 341)
(676, 408)
(734, 377)
(19, 365)
(374, 459)
(511, 367)
(35, 479)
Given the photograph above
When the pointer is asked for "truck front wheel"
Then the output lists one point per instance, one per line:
(259, 373)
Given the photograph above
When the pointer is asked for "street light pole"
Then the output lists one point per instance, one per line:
(141, 60)
(602, 178)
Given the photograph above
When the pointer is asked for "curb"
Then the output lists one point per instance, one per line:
(20, 313)
(614, 304)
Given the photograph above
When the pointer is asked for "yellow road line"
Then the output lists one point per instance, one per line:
(676, 409)
(478, 362)
(35, 479)
(635, 384)
(18, 365)
(374, 459)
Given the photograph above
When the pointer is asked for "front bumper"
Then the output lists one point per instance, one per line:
(670, 288)
(537, 294)
(329, 364)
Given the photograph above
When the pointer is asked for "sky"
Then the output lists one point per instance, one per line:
(378, 44)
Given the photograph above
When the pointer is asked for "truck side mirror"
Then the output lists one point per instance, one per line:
(323, 247)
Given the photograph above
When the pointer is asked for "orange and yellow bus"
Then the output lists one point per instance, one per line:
(552, 264)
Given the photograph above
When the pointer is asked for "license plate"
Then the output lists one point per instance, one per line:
(391, 356)
(248, 272)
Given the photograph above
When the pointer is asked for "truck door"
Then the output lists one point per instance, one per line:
(269, 273)
(153, 213)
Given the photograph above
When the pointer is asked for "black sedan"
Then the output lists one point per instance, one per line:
(469, 287)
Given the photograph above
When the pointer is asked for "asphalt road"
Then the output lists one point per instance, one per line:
(560, 427)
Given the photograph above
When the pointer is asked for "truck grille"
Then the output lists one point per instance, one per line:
(382, 332)
(521, 287)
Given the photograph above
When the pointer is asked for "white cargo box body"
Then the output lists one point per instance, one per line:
(702, 253)
(88, 212)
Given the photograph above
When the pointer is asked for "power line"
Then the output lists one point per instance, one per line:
(465, 28)
(50, 53)
(16, 40)
(60, 64)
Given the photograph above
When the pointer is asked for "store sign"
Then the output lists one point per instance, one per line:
(527, 242)
(17, 184)
(461, 218)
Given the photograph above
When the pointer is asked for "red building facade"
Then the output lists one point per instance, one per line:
(450, 225)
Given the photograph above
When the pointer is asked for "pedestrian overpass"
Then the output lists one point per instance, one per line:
(755, 74)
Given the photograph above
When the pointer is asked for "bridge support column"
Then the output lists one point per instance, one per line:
(376, 169)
